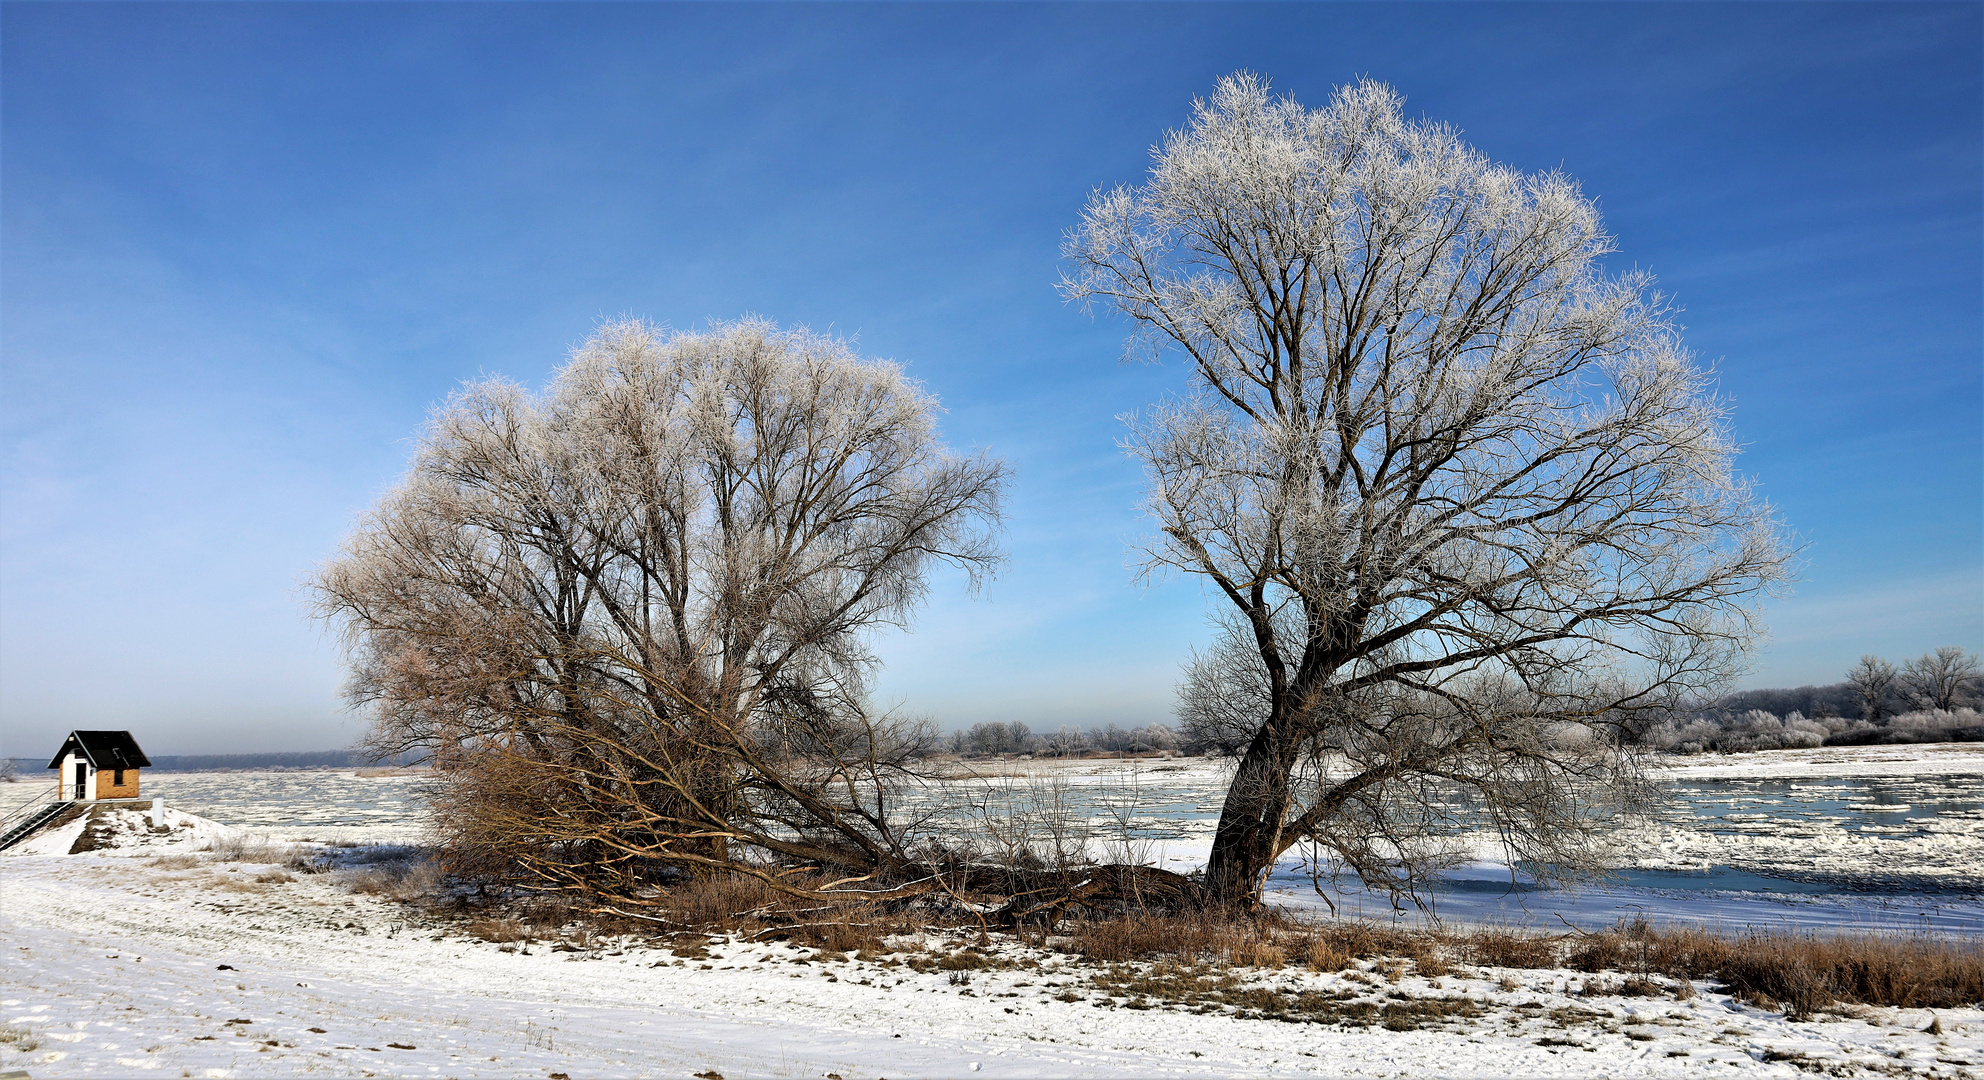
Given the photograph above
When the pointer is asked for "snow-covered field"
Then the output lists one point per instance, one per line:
(145, 957)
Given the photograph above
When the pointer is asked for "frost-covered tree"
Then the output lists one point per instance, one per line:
(1455, 486)
(629, 615)
(1875, 683)
(1941, 680)
(1066, 742)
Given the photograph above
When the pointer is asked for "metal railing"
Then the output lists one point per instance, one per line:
(31, 806)
(30, 815)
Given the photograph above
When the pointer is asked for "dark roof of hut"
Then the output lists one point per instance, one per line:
(104, 750)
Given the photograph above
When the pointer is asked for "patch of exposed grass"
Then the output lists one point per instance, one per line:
(1201, 936)
(1799, 973)
(1206, 988)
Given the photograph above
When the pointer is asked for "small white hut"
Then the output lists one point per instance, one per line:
(98, 765)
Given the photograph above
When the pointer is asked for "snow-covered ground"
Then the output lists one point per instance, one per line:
(121, 962)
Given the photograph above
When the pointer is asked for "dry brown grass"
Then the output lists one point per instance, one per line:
(1208, 988)
(1803, 973)
(1325, 955)
(1506, 948)
(1432, 965)
(240, 883)
(1190, 938)
(1265, 941)
(1262, 954)
(854, 929)
(721, 902)
(745, 906)
(1800, 973)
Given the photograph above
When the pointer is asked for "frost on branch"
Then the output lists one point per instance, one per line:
(1459, 491)
(627, 614)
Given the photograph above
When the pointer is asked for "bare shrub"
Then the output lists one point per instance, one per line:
(406, 881)
(1507, 948)
(501, 930)
(245, 847)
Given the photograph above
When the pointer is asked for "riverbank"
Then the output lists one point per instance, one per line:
(139, 959)
(1884, 838)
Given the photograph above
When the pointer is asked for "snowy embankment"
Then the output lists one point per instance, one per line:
(119, 962)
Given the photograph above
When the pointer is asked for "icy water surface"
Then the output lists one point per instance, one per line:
(352, 804)
(1827, 848)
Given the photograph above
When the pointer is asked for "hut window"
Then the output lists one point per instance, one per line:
(117, 778)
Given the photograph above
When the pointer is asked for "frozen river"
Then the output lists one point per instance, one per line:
(1865, 836)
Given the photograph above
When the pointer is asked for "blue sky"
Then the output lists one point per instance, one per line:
(244, 248)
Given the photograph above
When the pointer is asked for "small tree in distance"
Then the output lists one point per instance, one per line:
(1874, 683)
(1466, 501)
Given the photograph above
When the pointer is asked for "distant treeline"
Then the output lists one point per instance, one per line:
(1759, 729)
(316, 759)
(29, 768)
(1933, 698)
(994, 738)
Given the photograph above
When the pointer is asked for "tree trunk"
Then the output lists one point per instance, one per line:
(1248, 839)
